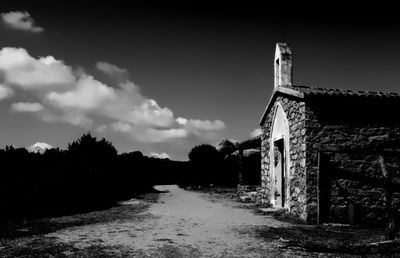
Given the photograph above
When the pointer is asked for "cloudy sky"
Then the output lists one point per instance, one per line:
(164, 78)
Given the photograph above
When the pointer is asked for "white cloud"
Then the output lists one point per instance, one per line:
(206, 131)
(116, 73)
(156, 135)
(89, 94)
(181, 121)
(20, 21)
(121, 127)
(74, 117)
(150, 113)
(125, 104)
(39, 147)
(206, 125)
(159, 155)
(144, 134)
(27, 107)
(21, 69)
(64, 95)
(5, 92)
(101, 128)
(255, 132)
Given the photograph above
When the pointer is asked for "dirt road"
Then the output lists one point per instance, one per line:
(179, 224)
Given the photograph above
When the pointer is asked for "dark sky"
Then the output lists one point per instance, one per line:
(204, 61)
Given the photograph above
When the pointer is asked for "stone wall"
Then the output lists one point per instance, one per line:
(265, 159)
(295, 112)
(370, 201)
(249, 193)
(324, 132)
(331, 123)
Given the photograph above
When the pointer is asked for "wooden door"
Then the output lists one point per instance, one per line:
(279, 173)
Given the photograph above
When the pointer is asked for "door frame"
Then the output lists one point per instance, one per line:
(279, 147)
(280, 132)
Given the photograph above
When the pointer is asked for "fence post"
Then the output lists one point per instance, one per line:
(241, 167)
(391, 226)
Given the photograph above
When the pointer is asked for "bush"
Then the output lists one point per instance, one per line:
(88, 175)
(204, 153)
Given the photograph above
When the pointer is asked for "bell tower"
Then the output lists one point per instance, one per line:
(283, 65)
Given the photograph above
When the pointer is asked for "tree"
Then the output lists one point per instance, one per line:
(205, 165)
(203, 153)
(89, 145)
(91, 163)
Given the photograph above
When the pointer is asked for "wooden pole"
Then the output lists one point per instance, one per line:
(391, 226)
(241, 166)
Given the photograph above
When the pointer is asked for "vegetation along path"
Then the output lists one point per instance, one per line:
(178, 223)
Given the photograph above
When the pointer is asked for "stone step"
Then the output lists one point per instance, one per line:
(269, 211)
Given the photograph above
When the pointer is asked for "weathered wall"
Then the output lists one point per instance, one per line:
(295, 112)
(265, 159)
(370, 201)
(343, 127)
(335, 123)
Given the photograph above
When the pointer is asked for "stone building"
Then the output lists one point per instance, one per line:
(300, 121)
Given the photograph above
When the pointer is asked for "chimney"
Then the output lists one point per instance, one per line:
(283, 65)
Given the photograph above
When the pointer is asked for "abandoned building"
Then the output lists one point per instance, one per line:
(326, 153)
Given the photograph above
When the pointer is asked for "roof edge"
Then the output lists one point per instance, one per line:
(280, 90)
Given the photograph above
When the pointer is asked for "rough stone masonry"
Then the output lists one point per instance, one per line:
(300, 121)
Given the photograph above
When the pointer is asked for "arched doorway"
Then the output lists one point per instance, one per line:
(280, 159)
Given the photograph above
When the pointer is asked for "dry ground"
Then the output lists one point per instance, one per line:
(180, 223)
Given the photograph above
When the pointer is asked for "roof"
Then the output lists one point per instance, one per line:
(252, 143)
(341, 92)
(304, 91)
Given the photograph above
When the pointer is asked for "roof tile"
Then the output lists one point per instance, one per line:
(317, 91)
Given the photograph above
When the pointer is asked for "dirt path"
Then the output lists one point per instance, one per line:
(181, 224)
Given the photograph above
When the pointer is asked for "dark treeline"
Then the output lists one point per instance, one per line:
(88, 175)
